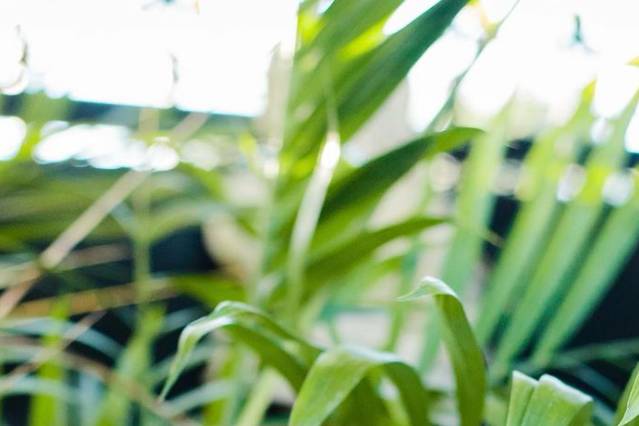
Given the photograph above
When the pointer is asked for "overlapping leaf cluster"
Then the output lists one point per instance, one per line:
(319, 255)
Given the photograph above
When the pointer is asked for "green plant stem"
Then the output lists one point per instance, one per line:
(221, 412)
(311, 207)
(258, 400)
(46, 410)
(142, 199)
(141, 243)
(431, 344)
(399, 310)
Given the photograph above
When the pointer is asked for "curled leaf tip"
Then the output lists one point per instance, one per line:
(429, 286)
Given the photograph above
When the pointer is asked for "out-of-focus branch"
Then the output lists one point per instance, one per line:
(91, 217)
(133, 390)
(94, 300)
(46, 354)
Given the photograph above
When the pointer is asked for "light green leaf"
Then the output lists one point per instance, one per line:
(521, 389)
(337, 372)
(307, 218)
(343, 22)
(542, 169)
(554, 403)
(132, 364)
(342, 258)
(46, 410)
(475, 201)
(209, 289)
(629, 404)
(288, 354)
(463, 350)
(366, 83)
(547, 402)
(336, 263)
(569, 239)
(473, 209)
(353, 198)
(615, 243)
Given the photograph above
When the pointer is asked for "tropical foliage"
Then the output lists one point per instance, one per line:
(315, 253)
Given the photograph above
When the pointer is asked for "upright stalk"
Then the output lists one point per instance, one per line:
(438, 122)
(258, 401)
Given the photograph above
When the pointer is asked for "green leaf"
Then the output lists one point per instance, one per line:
(554, 403)
(46, 410)
(343, 24)
(547, 402)
(542, 169)
(629, 404)
(569, 240)
(133, 364)
(288, 354)
(342, 258)
(366, 83)
(475, 201)
(521, 389)
(337, 372)
(209, 289)
(306, 220)
(463, 350)
(615, 243)
(473, 209)
(354, 197)
(199, 396)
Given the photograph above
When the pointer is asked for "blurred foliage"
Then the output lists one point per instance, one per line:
(290, 221)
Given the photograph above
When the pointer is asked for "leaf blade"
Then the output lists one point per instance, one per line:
(463, 349)
(337, 372)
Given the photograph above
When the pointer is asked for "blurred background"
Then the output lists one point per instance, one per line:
(135, 138)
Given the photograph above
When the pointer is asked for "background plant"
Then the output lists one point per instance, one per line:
(319, 256)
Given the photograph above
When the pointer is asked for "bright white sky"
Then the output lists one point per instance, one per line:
(119, 51)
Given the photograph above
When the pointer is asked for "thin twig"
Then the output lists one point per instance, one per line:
(188, 126)
(95, 255)
(83, 225)
(76, 232)
(133, 390)
(93, 300)
(12, 297)
(47, 354)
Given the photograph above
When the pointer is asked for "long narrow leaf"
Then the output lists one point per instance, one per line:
(614, 243)
(542, 169)
(288, 354)
(569, 239)
(344, 257)
(463, 349)
(337, 372)
(629, 404)
(361, 88)
(354, 197)
(473, 208)
(46, 410)
(132, 364)
(307, 217)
